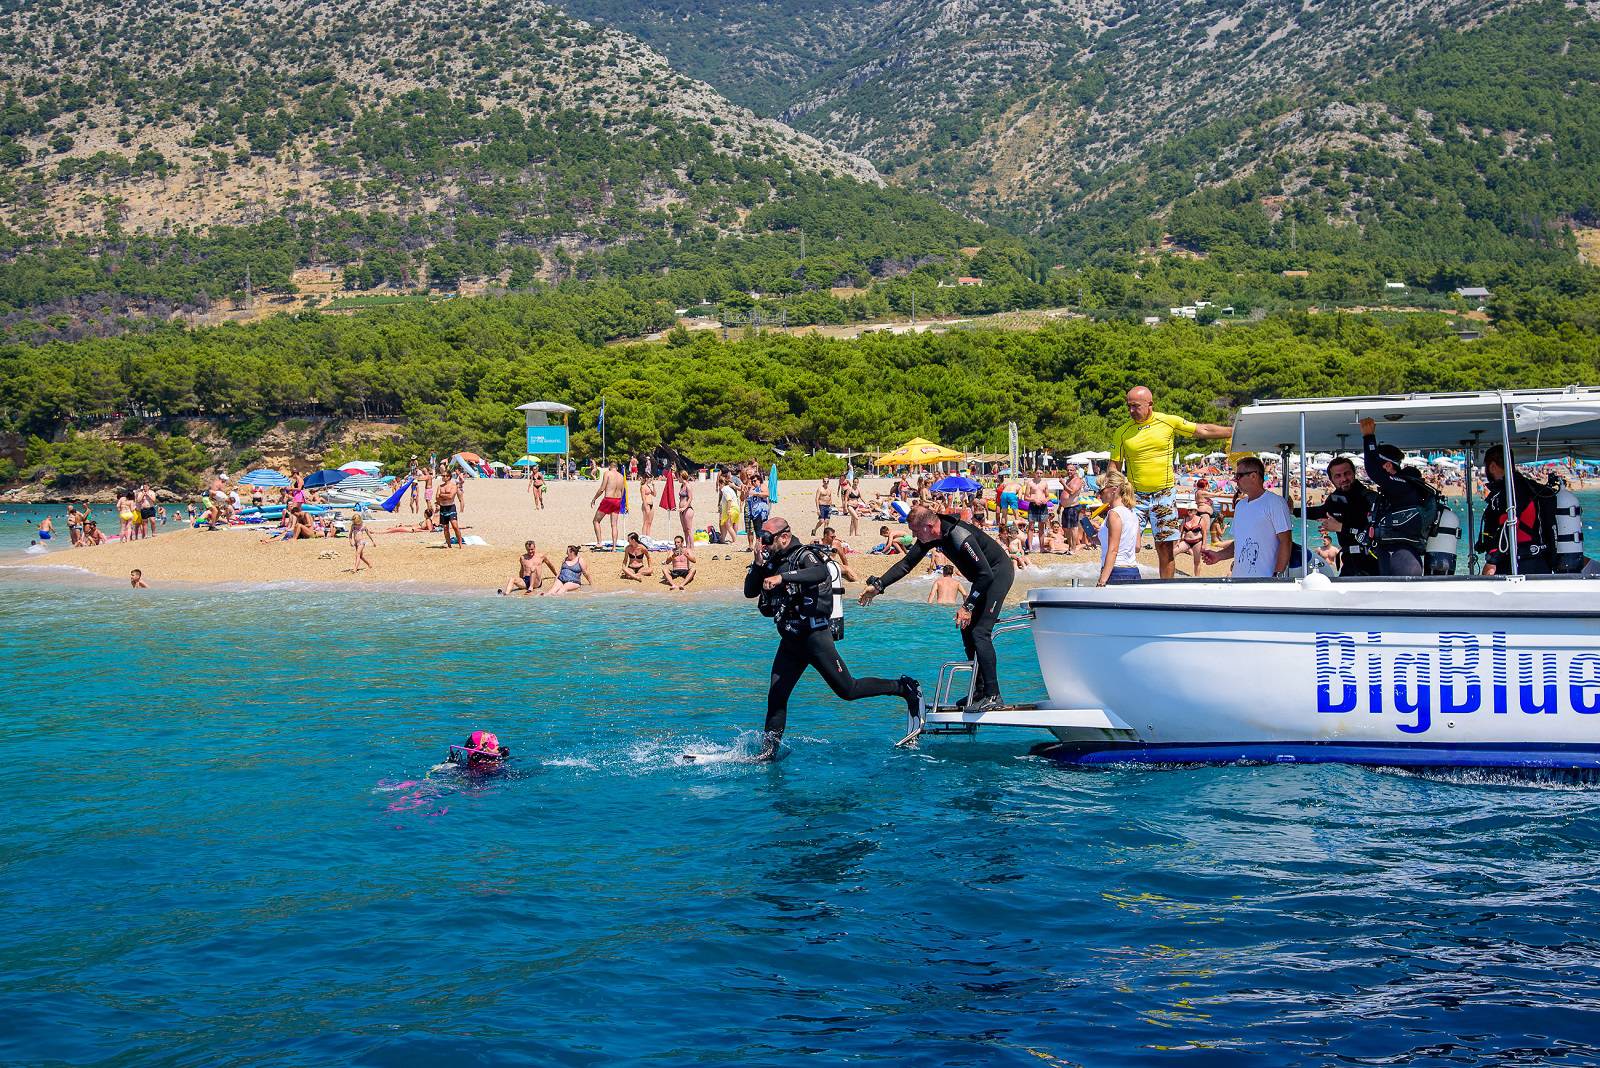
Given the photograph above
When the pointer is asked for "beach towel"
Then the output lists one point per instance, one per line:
(394, 499)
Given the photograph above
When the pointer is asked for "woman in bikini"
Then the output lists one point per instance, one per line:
(685, 506)
(636, 560)
(647, 504)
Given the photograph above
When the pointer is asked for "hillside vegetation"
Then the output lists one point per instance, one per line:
(159, 153)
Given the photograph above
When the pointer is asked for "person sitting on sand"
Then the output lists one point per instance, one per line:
(303, 527)
(528, 576)
(841, 553)
(1013, 541)
(91, 533)
(1056, 539)
(947, 589)
(573, 574)
(680, 568)
(636, 560)
(136, 580)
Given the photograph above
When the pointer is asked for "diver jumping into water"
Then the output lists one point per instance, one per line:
(795, 587)
(984, 563)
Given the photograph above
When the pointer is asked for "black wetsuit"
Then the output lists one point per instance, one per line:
(1396, 493)
(983, 562)
(806, 636)
(1535, 546)
(1353, 509)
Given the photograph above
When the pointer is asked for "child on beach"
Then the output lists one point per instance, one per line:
(360, 541)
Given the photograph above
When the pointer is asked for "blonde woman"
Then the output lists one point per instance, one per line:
(1119, 533)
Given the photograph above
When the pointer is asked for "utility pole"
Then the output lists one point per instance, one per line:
(1292, 233)
(247, 287)
(913, 307)
(802, 245)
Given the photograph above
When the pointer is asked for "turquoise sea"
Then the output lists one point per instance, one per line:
(223, 844)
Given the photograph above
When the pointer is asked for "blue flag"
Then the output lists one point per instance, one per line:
(601, 423)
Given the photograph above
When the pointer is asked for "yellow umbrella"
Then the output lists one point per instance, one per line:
(916, 452)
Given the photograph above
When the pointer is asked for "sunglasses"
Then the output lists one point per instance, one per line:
(769, 536)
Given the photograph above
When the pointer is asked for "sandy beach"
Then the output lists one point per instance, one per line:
(501, 512)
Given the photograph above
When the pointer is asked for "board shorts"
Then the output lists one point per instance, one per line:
(824, 511)
(1159, 512)
(1039, 513)
(609, 506)
(1070, 514)
(447, 513)
(1010, 502)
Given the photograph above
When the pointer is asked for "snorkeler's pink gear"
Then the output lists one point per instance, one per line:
(482, 747)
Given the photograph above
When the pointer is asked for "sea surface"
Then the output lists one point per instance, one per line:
(226, 842)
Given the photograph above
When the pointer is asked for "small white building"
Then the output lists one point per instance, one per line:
(1188, 311)
(1473, 293)
(1394, 285)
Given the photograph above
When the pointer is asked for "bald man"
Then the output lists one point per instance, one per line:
(1145, 449)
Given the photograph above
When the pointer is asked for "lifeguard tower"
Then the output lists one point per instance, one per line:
(547, 430)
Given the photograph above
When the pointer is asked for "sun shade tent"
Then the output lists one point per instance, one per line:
(1548, 418)
(266, 478)
(916, 453)
(956, 484)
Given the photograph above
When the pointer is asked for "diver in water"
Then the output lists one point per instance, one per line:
(482, 752)
(795, 587)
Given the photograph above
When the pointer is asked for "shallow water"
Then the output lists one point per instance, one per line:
(224, 844)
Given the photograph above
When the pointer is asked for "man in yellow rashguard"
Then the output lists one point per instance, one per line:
(1144, 449)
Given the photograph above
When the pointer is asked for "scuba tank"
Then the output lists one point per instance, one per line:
(836, 581)
(1569, 530)
(1439, 555)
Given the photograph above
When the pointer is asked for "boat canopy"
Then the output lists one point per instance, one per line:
(1546, 419)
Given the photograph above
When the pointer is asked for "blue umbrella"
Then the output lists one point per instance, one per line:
(264, 476)
(325, 477)
(955, 484)
(772, 484)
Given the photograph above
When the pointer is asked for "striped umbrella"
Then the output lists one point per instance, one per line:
(362, 484)
(263, 476)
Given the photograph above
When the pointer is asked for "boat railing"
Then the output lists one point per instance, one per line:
(1019, 621)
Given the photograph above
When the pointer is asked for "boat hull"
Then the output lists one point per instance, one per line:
(1457, 674)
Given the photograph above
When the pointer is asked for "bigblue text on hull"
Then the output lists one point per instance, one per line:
(1462, 674)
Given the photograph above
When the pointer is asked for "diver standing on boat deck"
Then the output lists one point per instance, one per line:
(1406, 507)
(1535, 525)
(984, 563)
(795, 587)
(1347, 512)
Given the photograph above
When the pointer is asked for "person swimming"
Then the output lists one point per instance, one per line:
(482, 752)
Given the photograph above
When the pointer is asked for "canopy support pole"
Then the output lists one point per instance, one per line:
(1471, 449)
(1508, 529)
(1305, 506)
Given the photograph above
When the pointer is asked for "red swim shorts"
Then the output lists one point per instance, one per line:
(609, 506)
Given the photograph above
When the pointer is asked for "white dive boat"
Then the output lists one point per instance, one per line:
(1464, 671)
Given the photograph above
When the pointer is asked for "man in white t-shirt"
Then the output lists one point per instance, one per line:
(1261, 542)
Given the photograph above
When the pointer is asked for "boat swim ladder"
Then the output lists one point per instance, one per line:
(947, 698)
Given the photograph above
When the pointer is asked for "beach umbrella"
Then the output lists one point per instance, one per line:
(916, 452)
(526, 461)
(362, 484)
(264, 476)
(370, 467)
(772, 484)
(327, 477)
(955, 484)
(669, 496)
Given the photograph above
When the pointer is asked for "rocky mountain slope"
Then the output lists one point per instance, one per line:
(163, 148)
